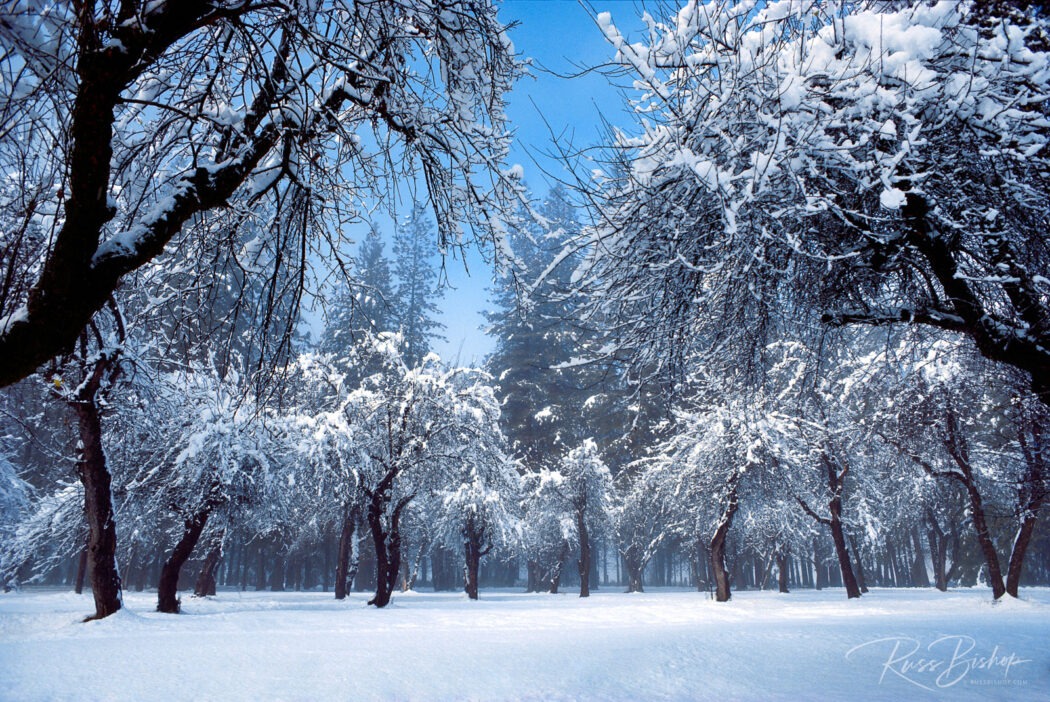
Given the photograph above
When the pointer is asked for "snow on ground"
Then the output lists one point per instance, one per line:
(666, 645)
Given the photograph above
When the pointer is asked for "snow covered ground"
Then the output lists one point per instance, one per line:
(666, 645)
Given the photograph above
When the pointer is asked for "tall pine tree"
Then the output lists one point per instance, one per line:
(543, 404)
(368, 306)
(418, 290)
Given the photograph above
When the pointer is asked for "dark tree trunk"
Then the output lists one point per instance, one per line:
(168, 586)
(984, 540)
(837, 535)
(556, 573)
(585, 555)
(634, 564)
(849, 580)
(387, 546)
(205, 585)
(346, 547)
(861, 580)
(98, 505)
(1017, 553)
(718, 548)
(533, 576)
(474, 550)
(782, 572)
(78, 585)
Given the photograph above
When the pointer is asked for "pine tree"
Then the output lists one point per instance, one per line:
(418, 290)
(542, 403)
(367, 306)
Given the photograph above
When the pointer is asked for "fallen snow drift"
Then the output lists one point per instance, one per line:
(668, 645)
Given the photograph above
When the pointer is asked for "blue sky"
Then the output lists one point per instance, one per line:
(562, 40)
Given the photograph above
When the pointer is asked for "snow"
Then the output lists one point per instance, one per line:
(665, 645)
(892, 198)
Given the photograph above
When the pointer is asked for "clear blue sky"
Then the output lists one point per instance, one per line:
(562, 40)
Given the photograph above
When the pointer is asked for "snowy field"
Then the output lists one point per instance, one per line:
(666, 645)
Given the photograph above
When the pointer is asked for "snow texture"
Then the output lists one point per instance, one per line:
(667, 645)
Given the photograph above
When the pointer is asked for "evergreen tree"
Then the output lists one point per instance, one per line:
(367, 306)
(418, 290)
(543, 404)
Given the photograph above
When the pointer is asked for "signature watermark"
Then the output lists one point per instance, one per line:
(944, 662)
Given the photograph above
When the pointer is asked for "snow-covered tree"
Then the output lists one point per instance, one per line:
(131, 124)
(412, 426)
(875, 162)
(642, 525)
(988, 438)
(549, 530)
(481, 513)
(703, 471)
(325, 443)
(218, 464)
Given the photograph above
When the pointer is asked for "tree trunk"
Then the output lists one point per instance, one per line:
(473, 551)
(78, 585)
(984, 539)
(836, 483)
(849, 580)
(861, 580)
(387, 547)
(585, 555)
(98, 509)
(1017, 553)
(782, 572)
(167, 587)
(635, 566)
(346, 545)
(718, 548)
(411, 576)
(205, 585)
(355, 562)
(556, 573)
(919, 576)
